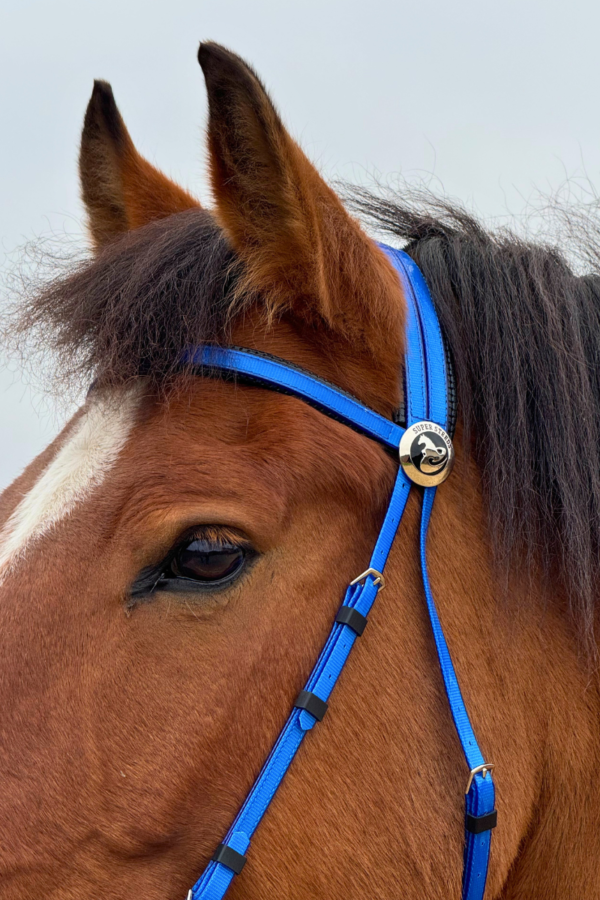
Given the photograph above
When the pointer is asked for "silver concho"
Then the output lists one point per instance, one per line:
(426, 453)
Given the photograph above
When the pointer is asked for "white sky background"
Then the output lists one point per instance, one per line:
(495, 100)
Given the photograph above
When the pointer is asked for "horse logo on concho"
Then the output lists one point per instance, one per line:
(426, 453)
(432, 453)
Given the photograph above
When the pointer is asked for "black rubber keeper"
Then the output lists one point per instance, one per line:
(312, 704)
(352, 618)
(479, 824)
(230, 858)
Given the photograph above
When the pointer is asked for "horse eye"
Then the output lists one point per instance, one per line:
(207, 561)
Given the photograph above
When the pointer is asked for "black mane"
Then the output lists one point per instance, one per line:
(132, 309)
(524, 333)
(523, 329)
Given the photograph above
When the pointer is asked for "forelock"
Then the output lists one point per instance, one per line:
(131, 310)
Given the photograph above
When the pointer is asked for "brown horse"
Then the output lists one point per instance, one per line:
(172, 563)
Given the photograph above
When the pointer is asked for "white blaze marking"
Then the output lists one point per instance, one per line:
(79, 466)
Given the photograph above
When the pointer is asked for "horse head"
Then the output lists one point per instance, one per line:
(170, 566)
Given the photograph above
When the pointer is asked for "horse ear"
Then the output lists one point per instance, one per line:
(120, 189)
(302, 251)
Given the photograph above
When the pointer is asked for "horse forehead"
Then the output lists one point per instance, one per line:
(79, 466)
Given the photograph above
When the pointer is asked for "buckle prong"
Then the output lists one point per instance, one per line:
(479, 770)
(379, 579)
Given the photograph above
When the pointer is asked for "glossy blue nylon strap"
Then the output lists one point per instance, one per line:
(283, 376)
(426, 397)
(216, 877)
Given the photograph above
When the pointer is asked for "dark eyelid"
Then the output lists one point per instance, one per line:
(222, 536)
(150, 577)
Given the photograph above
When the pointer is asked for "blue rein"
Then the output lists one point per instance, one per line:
(426, 399)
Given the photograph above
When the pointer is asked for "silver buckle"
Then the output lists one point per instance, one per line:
(379, 579)
(484, 769)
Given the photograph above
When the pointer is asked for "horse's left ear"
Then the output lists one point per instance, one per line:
(302, 251)
(120, 189)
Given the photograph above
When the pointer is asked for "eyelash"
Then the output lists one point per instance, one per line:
(155, 578)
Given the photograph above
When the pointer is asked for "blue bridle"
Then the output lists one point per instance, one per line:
(427, 419)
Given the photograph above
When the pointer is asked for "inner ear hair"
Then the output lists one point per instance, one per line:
(302, 252)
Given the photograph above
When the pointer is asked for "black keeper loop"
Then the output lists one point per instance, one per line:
(312, 704)
(351, 617)
(230, 858)
(479, 824)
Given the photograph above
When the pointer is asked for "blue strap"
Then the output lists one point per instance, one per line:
(216, 877)
(426, 398)
(481, 797)
(432, 403)
(432, 366)
(284, 377)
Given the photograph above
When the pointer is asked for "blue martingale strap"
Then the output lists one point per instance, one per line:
(427, 390)
(427, 398)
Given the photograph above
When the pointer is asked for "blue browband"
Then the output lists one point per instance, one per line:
(424, 450)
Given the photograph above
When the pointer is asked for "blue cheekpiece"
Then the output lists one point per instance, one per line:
(426, 399)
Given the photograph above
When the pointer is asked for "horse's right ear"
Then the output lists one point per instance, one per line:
(120, 189)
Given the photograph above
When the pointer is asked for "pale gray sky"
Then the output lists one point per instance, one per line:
(495, 100)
